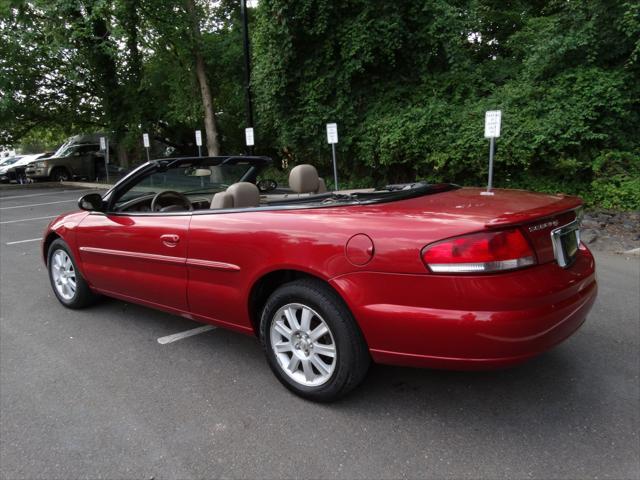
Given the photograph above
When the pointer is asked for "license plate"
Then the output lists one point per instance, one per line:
(566, 240)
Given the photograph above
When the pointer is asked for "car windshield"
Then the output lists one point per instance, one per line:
(9, 161)
(68, 149)
(190, 179)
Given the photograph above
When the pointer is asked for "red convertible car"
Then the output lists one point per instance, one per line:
(426, 275)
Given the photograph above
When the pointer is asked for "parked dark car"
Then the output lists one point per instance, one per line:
(71, 161)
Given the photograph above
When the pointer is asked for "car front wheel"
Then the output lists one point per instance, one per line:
(67, 282)
(60, 175)
(312, 342)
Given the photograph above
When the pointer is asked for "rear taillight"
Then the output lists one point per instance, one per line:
(479, 252)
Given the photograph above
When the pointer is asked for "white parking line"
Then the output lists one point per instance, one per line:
(13, 197)
(27, 219)
(24, 241)
(187, 333)
(38, 204)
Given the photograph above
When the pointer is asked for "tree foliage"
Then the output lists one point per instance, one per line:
(409, 82)
(121, 66)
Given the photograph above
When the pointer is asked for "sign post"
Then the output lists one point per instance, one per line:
(492, 120)
(104, 146)
(332, 138)
(248, 136)
(199, 142)
(146, 143)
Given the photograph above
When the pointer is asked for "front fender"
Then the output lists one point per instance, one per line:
(64, 227)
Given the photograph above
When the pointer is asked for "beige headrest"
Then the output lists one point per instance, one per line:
(304, 179)
(322, 187)
(222, 200)
(244, 195)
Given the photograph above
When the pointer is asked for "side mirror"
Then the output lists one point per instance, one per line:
(91, 202)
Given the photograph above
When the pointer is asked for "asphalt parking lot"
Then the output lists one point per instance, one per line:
(93, 393)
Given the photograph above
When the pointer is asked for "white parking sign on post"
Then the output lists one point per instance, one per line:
(332, 133)
(146, 143)
(104, 146)
(492, 121)
(332, 138)
(248, 136)
(199, 142)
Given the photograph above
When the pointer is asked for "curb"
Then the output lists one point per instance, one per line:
(100, 186)
(14, 186)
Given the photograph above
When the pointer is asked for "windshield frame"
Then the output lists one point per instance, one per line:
(256, 165)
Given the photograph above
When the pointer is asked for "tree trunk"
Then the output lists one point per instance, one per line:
(213, 143)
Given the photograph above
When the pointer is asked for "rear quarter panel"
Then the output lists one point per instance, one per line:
(230, 251)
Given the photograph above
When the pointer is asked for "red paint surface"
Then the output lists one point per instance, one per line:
(408, 315)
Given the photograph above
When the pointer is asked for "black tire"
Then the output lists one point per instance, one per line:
(60, 175)
(352, 358)
(83, 296)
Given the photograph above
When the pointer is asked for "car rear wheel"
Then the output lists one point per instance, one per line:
(60, 175)
(312, 342)
(67, 282)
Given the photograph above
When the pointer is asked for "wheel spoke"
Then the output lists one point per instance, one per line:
(305, 321)
(281, 328)
(290, 313)
(308, 371)
(294, 363)
(283, 347)
(326, 350)
(322, 367)
(318, 332)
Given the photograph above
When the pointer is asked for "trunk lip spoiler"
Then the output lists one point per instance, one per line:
(563, 205)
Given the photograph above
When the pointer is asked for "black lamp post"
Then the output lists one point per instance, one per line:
(247, 68)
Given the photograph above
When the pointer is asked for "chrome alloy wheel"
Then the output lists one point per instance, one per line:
(303, 344)
(63, 274)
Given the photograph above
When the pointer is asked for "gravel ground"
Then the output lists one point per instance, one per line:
(615, 232)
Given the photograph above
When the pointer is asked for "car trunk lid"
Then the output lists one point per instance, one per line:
(536, 214)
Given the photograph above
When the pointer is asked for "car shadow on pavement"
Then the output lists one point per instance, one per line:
(554, 389)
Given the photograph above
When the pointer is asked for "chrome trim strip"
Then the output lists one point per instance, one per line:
(192, 262)
(556, 241)
(139, 255)
(196, 262)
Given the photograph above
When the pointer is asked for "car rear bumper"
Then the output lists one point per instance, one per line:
(472, 321)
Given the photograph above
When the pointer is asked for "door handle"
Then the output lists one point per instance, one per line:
(170, 239)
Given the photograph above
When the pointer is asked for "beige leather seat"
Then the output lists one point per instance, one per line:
(222, 200)
(304, 179)
(238, 195)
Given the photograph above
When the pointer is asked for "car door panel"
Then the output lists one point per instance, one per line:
(136, 256)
